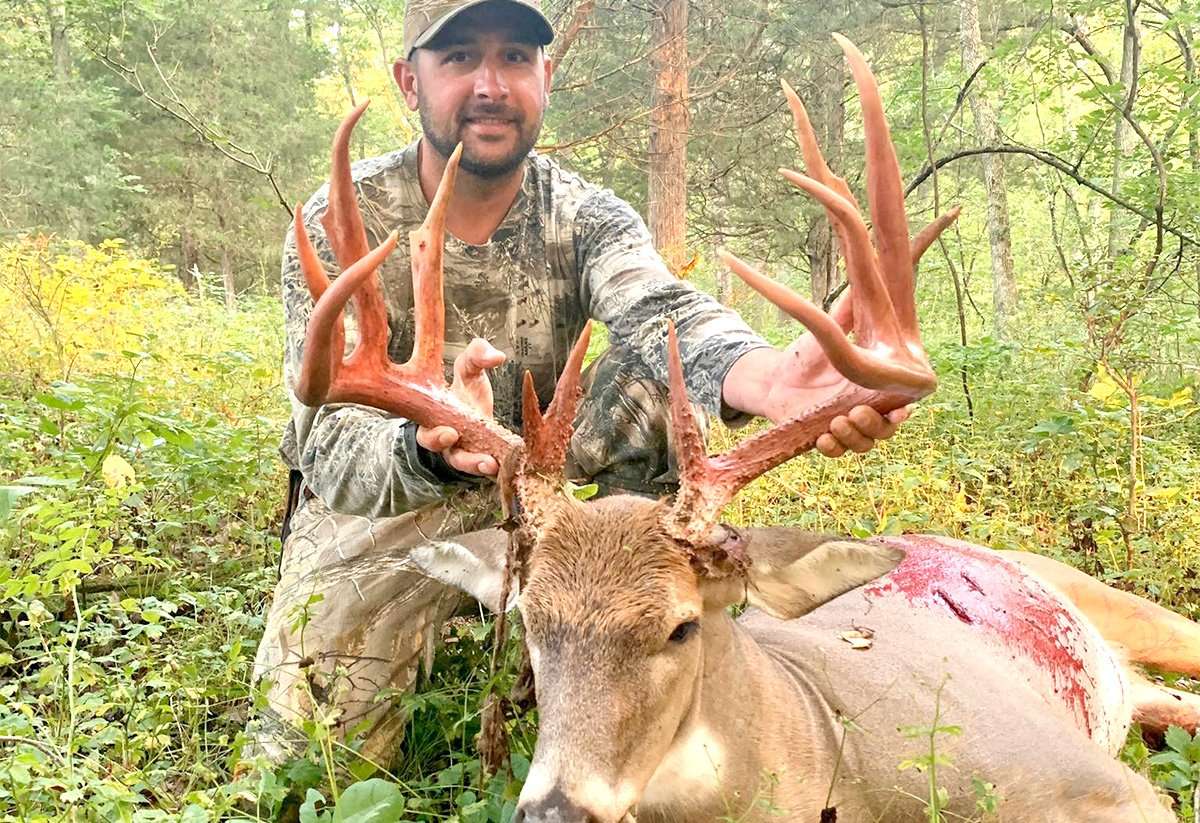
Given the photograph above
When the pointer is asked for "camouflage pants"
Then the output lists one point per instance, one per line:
(352, 620)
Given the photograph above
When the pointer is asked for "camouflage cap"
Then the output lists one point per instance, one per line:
(423, 19)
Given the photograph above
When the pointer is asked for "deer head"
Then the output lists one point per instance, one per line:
(617, 595)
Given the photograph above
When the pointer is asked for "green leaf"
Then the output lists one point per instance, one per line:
(1177, 739)
(309, 813)
(372, 801)
(194, 814)
(1171, 759)
(8, 496)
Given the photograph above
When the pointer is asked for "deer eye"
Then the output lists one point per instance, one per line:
(684, 630)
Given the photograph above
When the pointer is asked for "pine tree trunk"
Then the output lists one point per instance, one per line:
(667, 192)
(1004, 285)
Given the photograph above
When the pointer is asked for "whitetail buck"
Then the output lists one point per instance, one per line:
(655, 702)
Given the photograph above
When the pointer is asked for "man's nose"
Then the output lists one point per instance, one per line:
(490, 83)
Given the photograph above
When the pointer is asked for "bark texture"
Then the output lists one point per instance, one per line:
(1004, 285)
(667, 191)
(1122, 133)
(60, 45)
(827, 110)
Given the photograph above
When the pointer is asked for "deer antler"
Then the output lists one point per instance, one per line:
(417, 388)
(885, 364)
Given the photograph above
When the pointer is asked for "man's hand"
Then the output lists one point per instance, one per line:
(472, 386)
(781, 384)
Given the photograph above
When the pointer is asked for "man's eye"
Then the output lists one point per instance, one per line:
(457, 57)
(518, 57)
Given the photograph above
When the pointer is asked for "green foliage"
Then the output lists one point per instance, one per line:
(135, 537)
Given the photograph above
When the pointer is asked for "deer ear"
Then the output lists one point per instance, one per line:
(793, 572)
(473, 563)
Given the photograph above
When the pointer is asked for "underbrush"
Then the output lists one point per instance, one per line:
(140, 497)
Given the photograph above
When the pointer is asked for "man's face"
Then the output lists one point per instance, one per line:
(481, 82)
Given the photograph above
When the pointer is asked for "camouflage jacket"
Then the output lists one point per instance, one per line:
(566, 251)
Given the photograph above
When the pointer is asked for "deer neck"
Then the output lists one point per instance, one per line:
(750, 715)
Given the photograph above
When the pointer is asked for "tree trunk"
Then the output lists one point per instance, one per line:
(227, 267)
(1122, 134)
(60, 46)
(189, 258)
(667, 192)
(828, 114)
(724, 279)
(227, 279)
(1185, 39)
(1004, 285)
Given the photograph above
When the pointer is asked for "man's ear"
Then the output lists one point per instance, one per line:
(548, 69)
(405, 72)
(792, 572)
(473, 562)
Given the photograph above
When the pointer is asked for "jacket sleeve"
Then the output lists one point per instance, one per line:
(357, 459)
(627, 286)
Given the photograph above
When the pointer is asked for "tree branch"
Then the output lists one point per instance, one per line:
(1061, 165)
(174, 106)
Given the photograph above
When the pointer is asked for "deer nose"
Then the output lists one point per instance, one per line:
(554, 807)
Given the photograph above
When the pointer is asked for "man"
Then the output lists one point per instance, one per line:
(531, 251)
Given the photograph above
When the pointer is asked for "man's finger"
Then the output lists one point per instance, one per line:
(901, 414)
(829, 446)
(436, 438)
(471, 462)
(871, 423)
(849, 436)
(478, 356)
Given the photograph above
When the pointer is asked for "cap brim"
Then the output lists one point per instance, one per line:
(541, 26)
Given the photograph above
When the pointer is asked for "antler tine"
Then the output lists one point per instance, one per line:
(819, 170)
(810, 149)
(703, 488)
(547, 437)
(310, 262)
(426, 245)
(873, 305)
(319, 368)
(343, 226)
(342, 220)
(851, 361)
(931, 232)
(885, 190)
(324, 340)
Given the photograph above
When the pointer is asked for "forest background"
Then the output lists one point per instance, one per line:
(150, 151)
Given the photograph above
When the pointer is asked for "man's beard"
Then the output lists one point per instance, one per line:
(444, 142)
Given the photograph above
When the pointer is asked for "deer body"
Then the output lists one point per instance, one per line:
(769, 731)
(777, 719)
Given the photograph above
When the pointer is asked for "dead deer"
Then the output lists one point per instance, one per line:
(654, 701)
